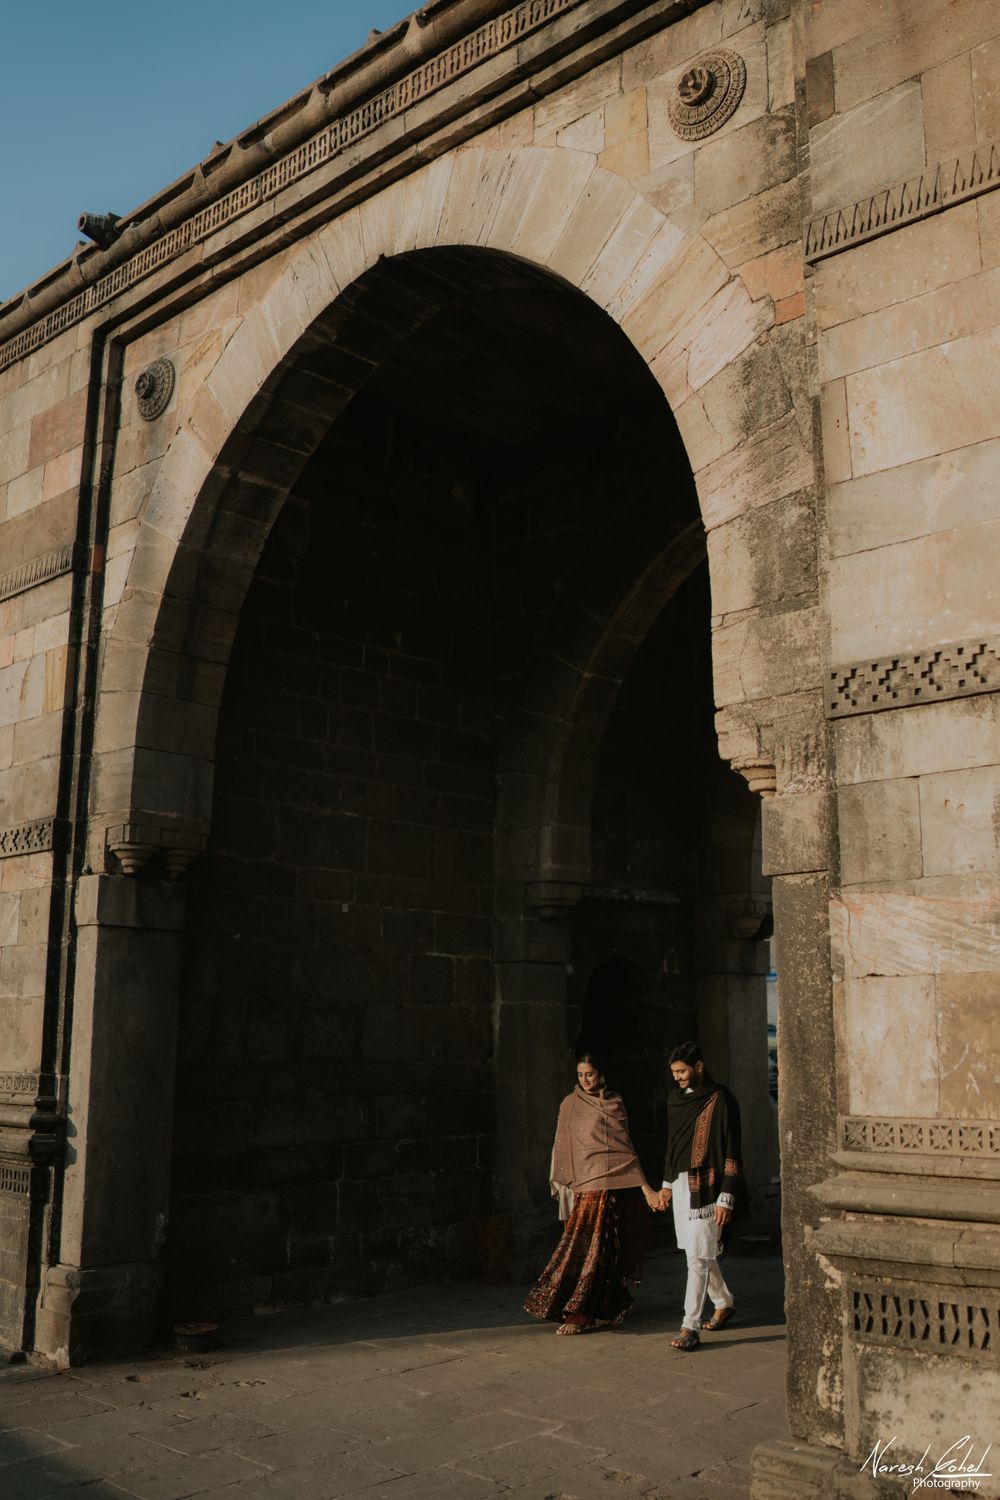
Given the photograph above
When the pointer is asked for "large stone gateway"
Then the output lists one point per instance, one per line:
(470, 550)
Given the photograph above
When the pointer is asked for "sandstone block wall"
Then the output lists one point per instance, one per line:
(812, 289)
(906, 334)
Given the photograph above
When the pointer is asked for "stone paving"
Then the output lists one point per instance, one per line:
(444, 1391)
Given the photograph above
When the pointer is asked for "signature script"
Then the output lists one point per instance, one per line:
(956, 1462)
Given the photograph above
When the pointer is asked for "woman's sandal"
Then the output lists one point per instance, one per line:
(719, 1319)
(571, 1328)
(686, 1339)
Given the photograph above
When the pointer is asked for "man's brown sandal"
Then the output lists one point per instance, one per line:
(686, 1339)
(719, 1319)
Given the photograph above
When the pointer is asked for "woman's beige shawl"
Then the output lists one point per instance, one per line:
(593, 1150)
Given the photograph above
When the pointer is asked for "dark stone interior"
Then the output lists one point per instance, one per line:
(336, 1079)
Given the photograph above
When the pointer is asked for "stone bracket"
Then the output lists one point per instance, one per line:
(136, 843)
(553, 899)
(750, 921)
(758, 772)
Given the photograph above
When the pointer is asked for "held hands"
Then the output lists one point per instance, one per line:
(652, 1199)
(666, 1197)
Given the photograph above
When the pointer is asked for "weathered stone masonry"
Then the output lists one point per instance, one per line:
(757, 240)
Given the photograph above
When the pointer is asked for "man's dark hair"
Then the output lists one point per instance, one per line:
(686, 1052)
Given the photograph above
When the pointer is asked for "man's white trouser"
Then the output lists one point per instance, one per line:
(699, 1239)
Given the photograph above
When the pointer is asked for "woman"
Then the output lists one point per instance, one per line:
(596, 1173)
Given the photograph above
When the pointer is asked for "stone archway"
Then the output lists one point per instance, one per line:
(325, 316)
(704, 339)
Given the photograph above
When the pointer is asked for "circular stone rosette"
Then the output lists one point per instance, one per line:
(153, 389)
(708, 94)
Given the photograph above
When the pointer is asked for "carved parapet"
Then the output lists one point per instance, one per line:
(135, 844)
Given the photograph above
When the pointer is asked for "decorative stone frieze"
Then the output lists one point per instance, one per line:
(19, 1085)
(708, 94)
(890, 208)
(955, 670)
(934, 1319)
(40, 570)
(154, 388)
(921, 1137)
(36, 837)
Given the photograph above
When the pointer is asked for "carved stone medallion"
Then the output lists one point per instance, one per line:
(707, 94)
(153, 389)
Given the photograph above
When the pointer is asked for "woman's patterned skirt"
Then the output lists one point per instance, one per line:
(598, 1258)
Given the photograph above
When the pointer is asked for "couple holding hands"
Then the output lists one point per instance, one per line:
(604, 1198)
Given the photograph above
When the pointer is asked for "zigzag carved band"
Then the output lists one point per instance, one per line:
(955, 670)
(39, 570)
(37, 837)
(891, 208)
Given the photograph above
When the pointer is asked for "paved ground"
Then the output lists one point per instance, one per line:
(449, 1391)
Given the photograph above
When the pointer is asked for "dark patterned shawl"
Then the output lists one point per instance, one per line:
(703, 1139)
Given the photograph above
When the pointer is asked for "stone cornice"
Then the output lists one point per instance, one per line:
(286, 147)
(939, 187)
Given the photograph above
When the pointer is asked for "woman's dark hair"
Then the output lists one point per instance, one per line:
(592, 1056)
(686, 1052)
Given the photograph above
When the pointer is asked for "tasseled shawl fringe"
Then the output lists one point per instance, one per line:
(708, 1212)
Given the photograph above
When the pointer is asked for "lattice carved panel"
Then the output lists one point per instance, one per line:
(914, 1137)
(934, 1319)
(19, 1085)
(15, 1179)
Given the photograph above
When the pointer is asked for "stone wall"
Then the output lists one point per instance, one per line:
(335, 1086)
(807, 278)
(906, 332)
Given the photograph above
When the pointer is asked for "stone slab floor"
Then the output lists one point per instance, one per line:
(446, 1391)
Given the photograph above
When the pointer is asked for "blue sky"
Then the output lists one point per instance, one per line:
(103, 103)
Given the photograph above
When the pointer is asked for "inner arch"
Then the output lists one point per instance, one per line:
(459, 476)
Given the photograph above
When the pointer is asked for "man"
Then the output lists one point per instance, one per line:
(703, 1179)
